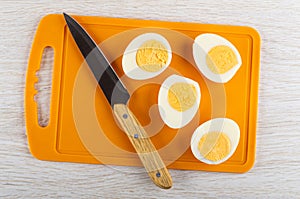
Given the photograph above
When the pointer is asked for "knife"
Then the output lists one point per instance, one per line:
(118, 96)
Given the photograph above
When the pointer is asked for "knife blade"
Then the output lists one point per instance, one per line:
(118, 96)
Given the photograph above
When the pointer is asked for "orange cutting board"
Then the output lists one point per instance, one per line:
(82, 127)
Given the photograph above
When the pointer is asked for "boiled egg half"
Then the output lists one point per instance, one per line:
(178, 100)
(215, 141)
(216, 57)
(146, 56)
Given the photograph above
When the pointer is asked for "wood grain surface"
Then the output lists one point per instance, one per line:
(148, 154)
(276, 173)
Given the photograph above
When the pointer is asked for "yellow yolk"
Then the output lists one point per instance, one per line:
(182, 96)
(151, 56)
(214, 146)
(221, 59)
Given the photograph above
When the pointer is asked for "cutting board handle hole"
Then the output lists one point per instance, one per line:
(44, 86)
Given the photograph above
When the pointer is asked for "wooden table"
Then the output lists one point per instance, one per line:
(277, 168)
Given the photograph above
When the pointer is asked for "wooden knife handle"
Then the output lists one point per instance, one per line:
(148, 154)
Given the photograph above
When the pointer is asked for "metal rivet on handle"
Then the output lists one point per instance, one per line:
(158, 174)
(125, 116)
(135, 135)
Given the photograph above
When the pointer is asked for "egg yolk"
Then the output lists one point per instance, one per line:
(214, 146)
(221, 59)
(151, 56)
(182, 96)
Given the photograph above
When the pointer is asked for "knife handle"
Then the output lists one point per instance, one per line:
(148, 154)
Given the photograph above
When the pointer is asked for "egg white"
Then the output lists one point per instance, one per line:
(202, 45)
(224, 125)
(171, 117)
(130, 67)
